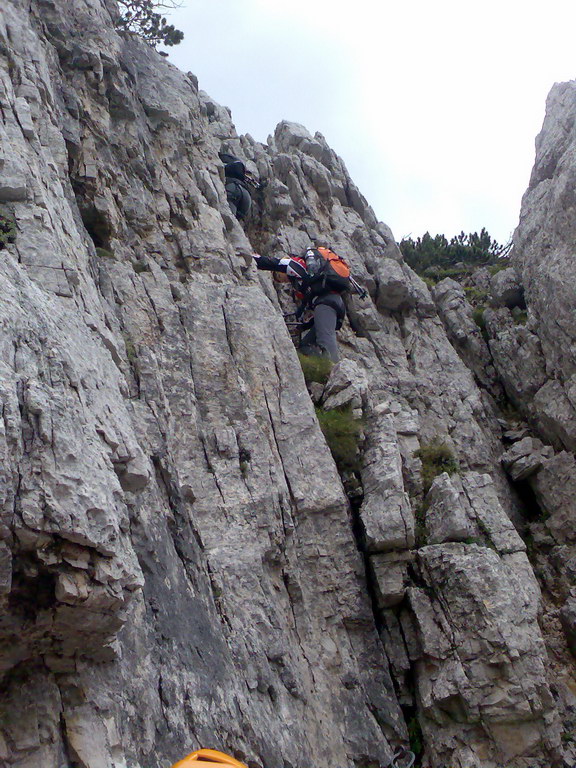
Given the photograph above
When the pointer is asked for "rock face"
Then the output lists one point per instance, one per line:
(544, 259)
(179, 563)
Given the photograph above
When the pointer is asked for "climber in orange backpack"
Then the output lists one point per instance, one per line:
(320, 277)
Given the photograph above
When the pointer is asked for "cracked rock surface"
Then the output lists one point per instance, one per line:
(180, 565)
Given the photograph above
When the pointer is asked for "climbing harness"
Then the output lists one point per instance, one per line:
(295, 327)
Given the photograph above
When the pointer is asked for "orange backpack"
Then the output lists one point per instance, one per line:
(323, 264)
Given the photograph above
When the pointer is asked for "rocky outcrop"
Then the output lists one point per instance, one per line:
(180, 565)
(464, 333)
(543, 257)
(506, 289)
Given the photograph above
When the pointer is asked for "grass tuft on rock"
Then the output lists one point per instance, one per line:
(436, 457)
(342, 432)
(478, 317)
(420, 530)
(140, 266)
(476, 296)
(7, 230)
(315, 368)
(520, 316)
(102, 253)
(416, 738)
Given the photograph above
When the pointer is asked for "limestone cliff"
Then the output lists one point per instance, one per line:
(180, 563)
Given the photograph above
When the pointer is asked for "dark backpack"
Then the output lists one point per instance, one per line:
(327, 270)
(233, 167)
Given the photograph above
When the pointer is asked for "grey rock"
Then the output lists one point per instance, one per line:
(346, 385)
(556, 415)
(24, 116)
(517, 355)
(184, 569)
(390, 574)
(457, 317)
(465, 679)
(446, 518)
(543, 240)
(396, 649)
(568, 619)
(555, 489)
(399, 289)
(385, 513)
(12, 187)
(481, 278)
(487, 512)
(5, 569)
(525, 458)
(506, 289)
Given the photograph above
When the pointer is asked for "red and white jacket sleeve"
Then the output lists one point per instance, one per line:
(293, 266)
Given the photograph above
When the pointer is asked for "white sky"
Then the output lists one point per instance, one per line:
(433, 106)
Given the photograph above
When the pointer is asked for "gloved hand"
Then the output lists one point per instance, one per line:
(265, 262)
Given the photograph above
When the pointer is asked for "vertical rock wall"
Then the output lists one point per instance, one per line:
(180, 565)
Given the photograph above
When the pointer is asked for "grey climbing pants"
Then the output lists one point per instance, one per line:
(321, 338)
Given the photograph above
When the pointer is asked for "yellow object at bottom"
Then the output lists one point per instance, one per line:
(208, 758)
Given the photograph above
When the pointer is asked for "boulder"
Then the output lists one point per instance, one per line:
(506, 289)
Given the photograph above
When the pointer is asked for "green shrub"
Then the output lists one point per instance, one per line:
(140, 17)
(436, 457)
(510, 413)
(502, 263)
(315, 368)
(478, 317)
(520, 316)
(475, 295)
(420, 531)
(415, 737)
(467, 250)
(342, 433)
(438, 273)
(102, 253)
(7, 230)
(131, 353)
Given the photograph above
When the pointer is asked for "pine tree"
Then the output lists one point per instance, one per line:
(437, 252)
(141, 18)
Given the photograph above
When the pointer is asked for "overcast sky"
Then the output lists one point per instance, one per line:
(433, 106)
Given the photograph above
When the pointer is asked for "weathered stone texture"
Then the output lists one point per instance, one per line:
(178, 564)
(457, 317)
(492, 681)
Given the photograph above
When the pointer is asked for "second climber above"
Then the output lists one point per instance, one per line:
(239, 182)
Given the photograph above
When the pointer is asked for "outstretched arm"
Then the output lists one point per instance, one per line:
(290, 266)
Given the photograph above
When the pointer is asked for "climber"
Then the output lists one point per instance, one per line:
(238, 184)
(319, 281)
